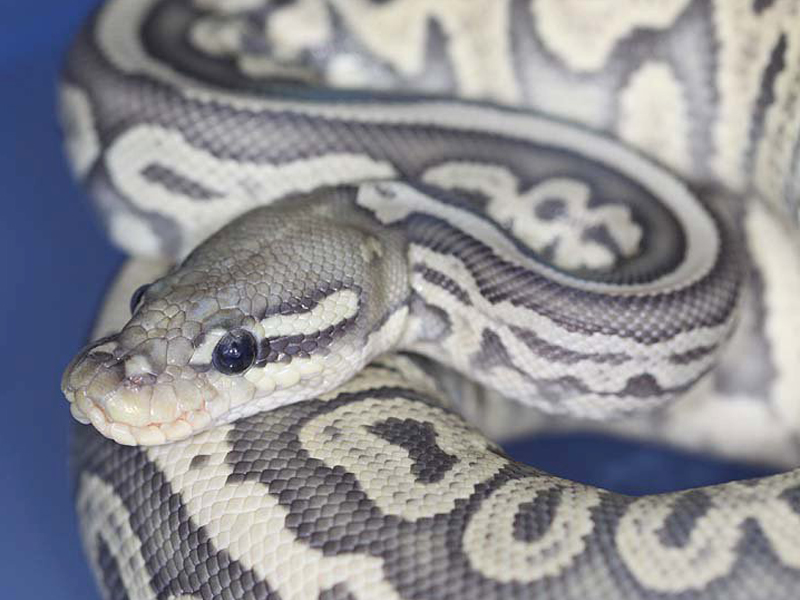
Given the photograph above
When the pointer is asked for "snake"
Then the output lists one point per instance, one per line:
(350, 218)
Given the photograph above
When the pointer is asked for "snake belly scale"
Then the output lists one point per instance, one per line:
(359, 199)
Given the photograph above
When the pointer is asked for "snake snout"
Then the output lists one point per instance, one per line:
(129, 399)
(96, 359)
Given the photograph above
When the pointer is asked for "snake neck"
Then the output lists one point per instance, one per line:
(580, 342)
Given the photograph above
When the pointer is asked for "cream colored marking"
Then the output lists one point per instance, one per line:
(584, 34)
(243, 185)
(331, 310)
(81, 140)
(349, 71)
(469, 321)
(482, 66)
(777, 142)
(393, 201)
(371, 248)
(489, 541)
(137, 364)
(507, 313)
(410, 375)
(133, 234)
(745, 43)
(397, 33)
(298, 26)
(776, 253)
(205, 351)
(224, 36)
(644, 122)
(248, 523)
(120, 43)
(219, 37)
(516, 210)
(711, 549)
(102, 514)
(319, 371)
(387, 479)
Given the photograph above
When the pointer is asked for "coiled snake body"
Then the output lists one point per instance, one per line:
(610, 201)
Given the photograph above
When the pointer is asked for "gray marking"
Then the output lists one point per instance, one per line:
(430, 462)
(766, 97)
(551, 209)
(109, 576)
(338, 592)
(436, 323)
(760, 6)
(492, 353)
(534, 518)
(177, 183)
(678, 526)
(443, 281)
(692, 355)
(560, 354)
(199, 461)
(285, 348)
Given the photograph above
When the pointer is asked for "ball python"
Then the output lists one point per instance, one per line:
(580, 206)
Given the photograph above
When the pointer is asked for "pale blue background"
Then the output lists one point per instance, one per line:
(55, 265)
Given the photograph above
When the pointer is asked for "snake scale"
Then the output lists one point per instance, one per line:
(587, 208)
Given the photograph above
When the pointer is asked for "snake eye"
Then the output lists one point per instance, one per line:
(234, 353)
(137, 296)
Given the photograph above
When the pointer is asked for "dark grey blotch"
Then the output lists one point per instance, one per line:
(679, 525)
(534, 519)
(430, 462)
(340, 591)
(551, 209)
(199, 461)
(760, 6)
(178, 184)
(109, 572)
(443, 281)
(436, 323)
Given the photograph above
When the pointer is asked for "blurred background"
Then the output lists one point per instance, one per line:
(55, 267)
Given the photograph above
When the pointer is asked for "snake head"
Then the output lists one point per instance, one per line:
(185, 362)
(242, 326)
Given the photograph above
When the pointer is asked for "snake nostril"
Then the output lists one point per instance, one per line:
(139, 380)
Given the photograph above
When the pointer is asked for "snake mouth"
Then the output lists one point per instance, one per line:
(126, 401)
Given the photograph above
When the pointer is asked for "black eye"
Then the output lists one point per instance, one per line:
(137, 296)
(235, 352)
